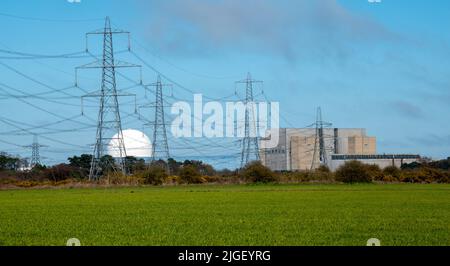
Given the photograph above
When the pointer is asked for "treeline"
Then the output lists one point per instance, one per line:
(138, 172)
(197, 172)
(357, 172)
(12, 163)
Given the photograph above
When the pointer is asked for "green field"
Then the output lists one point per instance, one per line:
(398, 214)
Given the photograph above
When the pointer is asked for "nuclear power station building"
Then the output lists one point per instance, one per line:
(306, 148)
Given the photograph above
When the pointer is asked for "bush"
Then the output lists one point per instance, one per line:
(117, 178)
(425, 175)
(392, 173)
(410, 176)
(27, 184)
(257, 173)
(60, 172)
(296, 176)
(323, 169)
(190, 175)
(375, 172)
(353, 172)
(154, 175)
(212, 179)
(322, 173)
(172, 179)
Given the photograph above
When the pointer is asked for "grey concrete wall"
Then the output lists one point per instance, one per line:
(276, 158)
(382, 163)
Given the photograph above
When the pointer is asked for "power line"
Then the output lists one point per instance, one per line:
(146, 49)
(160, 146)
(35, 154)
(250, 145)
(164, 100)
(22, 55)
(320, 152)
(109, 120)
(178, 67)
(33, 79)
(49, 112)
(6, 121)
(166, 77)
(210, 145)
(48, 19)
(34, 127)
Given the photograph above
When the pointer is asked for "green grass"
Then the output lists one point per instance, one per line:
(400, 214)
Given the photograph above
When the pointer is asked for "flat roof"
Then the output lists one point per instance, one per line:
(373, 156)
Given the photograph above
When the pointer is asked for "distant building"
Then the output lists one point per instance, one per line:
(382, 160)
(296, 146)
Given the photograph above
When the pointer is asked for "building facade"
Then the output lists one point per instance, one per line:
(382, 160)
(298, 149)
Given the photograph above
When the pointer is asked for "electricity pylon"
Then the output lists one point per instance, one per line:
(35, 155)
(160, 146)
(250, 145)
(109, 126)
(320, 151)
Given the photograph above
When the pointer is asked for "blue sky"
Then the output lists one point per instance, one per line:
(384, 66)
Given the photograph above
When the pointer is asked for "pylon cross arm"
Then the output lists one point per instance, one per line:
(102, 31)
(100, 64)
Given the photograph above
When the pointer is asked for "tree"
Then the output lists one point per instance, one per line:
(442, 164)
(8, 162)
(107, 164)
(84, 161)
(206, 169)
(203, 168)
(133, 164)
(173, 165)
(411, 166)
(226, 172)
(39, 167)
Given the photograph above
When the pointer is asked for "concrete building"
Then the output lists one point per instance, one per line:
(295, 150)
(382, 160)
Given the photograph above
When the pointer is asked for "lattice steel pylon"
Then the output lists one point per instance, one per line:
(35, 154)
(109, 135)
(320, 151)
(250, 142)
(160, 145)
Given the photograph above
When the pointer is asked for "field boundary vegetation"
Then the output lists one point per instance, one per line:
(75, 174)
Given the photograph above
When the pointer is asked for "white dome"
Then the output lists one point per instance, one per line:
(137, 144)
